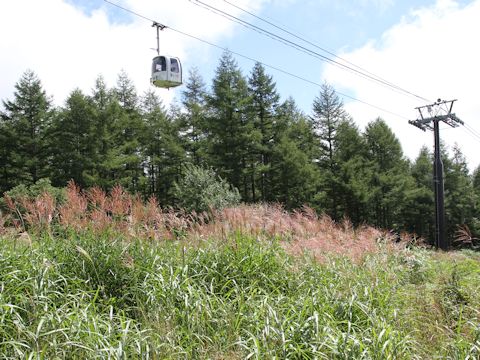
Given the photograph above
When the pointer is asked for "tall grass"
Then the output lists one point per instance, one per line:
(121, 213)
(107, 276)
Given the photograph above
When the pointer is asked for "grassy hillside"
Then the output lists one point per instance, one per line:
(113, 278)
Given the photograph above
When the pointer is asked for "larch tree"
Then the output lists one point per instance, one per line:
(8, 169)
(476, 189)
(295, 176)
(192, 121)
(420, 210)
(107, 113)
(265, 101)
(163, 153)
(25, 120)
(328, 112)
(73, 141)
(390, 178)
(459, 192)
(229, 126)
(354, 172)
(127, 131)
(293, 173)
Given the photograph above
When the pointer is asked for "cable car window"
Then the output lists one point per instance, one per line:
(174, 66)
(159, 64)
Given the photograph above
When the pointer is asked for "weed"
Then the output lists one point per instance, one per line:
(248, 282)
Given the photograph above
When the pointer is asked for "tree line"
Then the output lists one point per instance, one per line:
(268, 149)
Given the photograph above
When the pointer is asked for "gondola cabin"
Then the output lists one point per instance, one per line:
(166, 72)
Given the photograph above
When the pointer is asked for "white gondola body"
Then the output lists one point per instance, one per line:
(166, 71)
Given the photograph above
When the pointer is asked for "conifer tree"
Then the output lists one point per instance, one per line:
(420, 207)
(192, 122)
(8, 170)
(459, 192)
(25, 120)
(476, 189)
(293, 174)
(476, 179)
(265, 101)
(126, 93)
(229, 127)
(328, 112)
(163, 153)
(127, 131)
(390, 178)
(354, 172)
(73, 141)
(107, 113)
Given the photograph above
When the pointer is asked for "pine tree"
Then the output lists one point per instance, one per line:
(390, 178)
(193, 120)
(229, 127)
(125, 155)
(73, 141)
(107, 112)
(265, 101)
(8, 170)
(293, 173)
(126, 93)
(163, 153)
(420, 208)
(328, 112)
(354, 172)
(459, 192)
(25, 120)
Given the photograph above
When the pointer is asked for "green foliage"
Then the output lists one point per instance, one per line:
(390, 179)
(163, 153)
(229, 126)
(49, 309)
(459, 192)
(264, 104)
(420, 209)
(295, 176)
(192, 122)
(201, 189)
(328, 115)
(34, 191)
(25, 120)
(80, 296)
(354, 172)
(452, 298)
(269, 150)
(73, 142)
(106, 267)
(128, 128)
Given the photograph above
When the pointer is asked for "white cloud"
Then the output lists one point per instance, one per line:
(432, 52)
(68, 48)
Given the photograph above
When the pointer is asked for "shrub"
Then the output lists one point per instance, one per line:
(32, 206)
(33, 191)
(201, 189)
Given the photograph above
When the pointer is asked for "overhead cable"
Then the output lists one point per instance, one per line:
(257, 61)
(358, 71)
(472, 132)
(291, 33)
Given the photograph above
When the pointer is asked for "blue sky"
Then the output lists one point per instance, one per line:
(426, 47)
